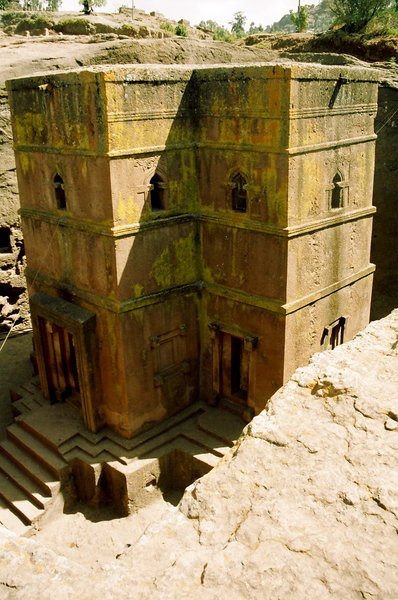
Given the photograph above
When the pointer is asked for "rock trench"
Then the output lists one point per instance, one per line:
(304, 506)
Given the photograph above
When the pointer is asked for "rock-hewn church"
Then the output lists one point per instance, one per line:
(191, 232)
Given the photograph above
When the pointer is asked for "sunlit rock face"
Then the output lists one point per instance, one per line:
(305, 503)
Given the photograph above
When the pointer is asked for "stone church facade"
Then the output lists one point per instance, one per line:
(192, 232)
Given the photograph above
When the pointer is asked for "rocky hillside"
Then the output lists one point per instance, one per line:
(126, 23)
(304, 506)
(21, 55)
(365, 47)
(320, 18)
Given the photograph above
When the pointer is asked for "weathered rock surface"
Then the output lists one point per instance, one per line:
(24, 56)
(305, 506)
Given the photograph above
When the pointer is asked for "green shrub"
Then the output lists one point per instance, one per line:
(25, 24)
(34, 22)
(12, 18)
(224, 36)
(75, 27)
(166, 26)
(385, 25)
(42, 22)
(181, 30)
(143, 31)
(103, 28)
(127, 29)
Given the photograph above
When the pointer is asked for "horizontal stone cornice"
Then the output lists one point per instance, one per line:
(363, 139)
(299, 303)
(120, 231)
(291, 231)
(104, 229)
(48, 283)
(285, 308)
(118, 153)
(194, 145)
(238, 111)
(232, 112)
(342, 217)
(325, 111)
(171, 113)
(243, 297)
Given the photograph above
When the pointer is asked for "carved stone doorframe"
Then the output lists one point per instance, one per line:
(80, 323)
(220, 361)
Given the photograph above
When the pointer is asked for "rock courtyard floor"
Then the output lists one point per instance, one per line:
(305, 506)
(88, 536)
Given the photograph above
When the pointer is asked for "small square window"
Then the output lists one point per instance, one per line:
(333, 335)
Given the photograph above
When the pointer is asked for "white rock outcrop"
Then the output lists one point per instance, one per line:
(304, 506)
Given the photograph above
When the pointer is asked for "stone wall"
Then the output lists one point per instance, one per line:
(304, 506)
(287, 131)
(385, 223)
(13, 299)
(14, 310)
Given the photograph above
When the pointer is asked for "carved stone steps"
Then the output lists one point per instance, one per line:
(37, 449)
(78, 453)
(25, 405)
(27, 485)
(89, 446)
(134, 445)
(9, 520)
(48, 448)
(42, 477)
(92, 449)
(26, 398)
(30, 475)
(18, 502)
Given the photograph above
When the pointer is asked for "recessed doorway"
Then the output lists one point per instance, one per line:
(234, 368)
(61, 365)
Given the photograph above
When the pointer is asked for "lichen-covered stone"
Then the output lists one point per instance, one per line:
(304, 506)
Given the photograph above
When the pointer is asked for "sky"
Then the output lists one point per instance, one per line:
(264, 12)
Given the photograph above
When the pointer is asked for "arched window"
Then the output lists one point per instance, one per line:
(157, 193)
(59, 191)
(337, 192)
(239, 193)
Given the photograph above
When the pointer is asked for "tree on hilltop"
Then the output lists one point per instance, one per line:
(354, 15)
(238, 24)
(219, 32)
(53, 5)
(88, 5)
(257, 28)
(300, 18)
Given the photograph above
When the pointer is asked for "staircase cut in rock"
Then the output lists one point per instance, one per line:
(48, 445)
(30, 476)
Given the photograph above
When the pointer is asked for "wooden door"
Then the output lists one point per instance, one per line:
(60, 361)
